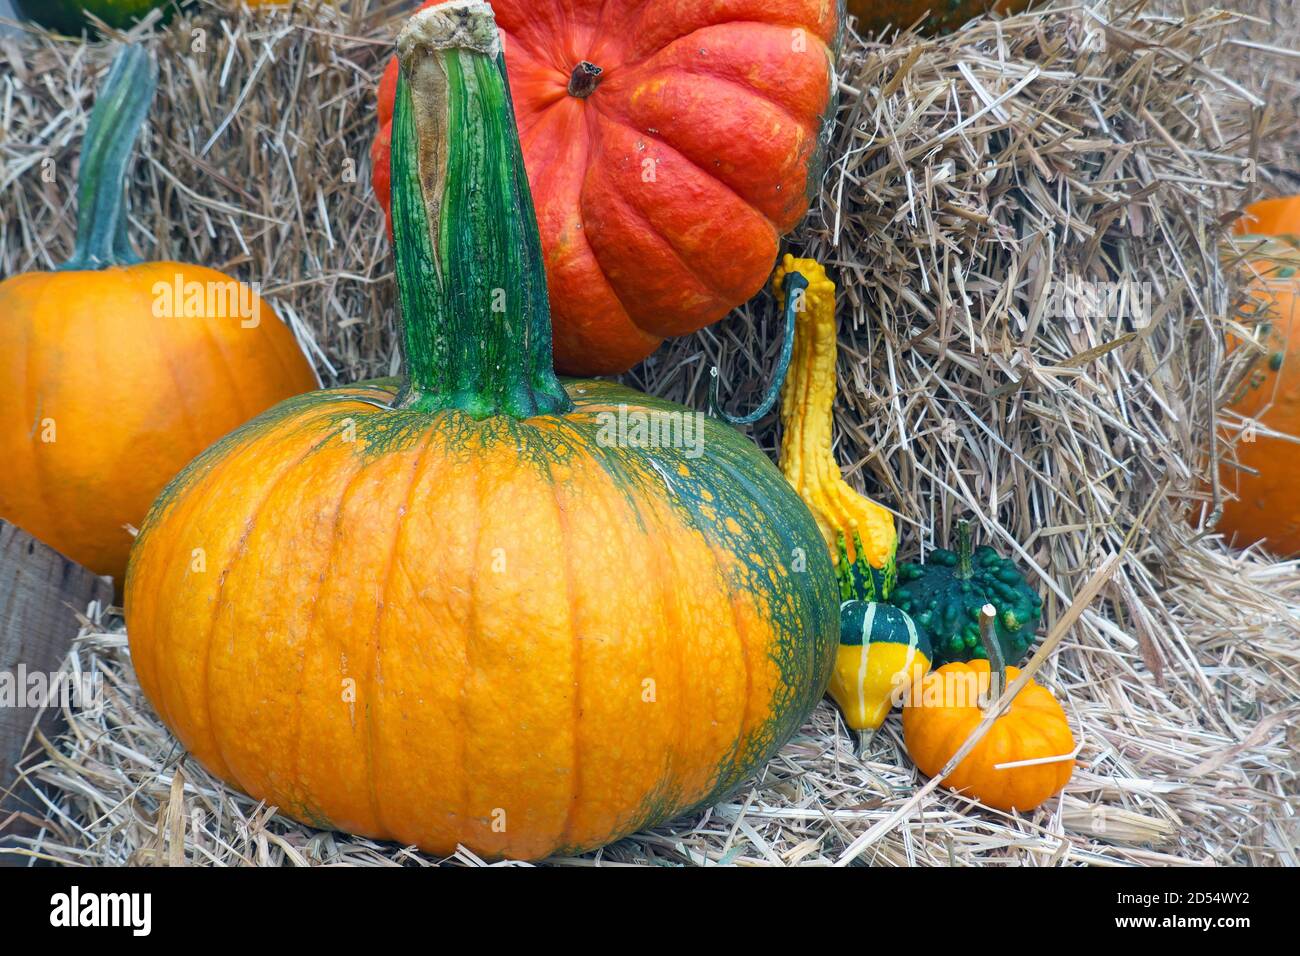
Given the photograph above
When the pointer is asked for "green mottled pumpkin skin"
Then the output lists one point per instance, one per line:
(630, 546)
(946, 605)
(68, 16)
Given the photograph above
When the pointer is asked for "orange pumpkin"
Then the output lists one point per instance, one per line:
(1267, 485)
(940, 16)
(669, 145)
(477, 605)
(118, 372)
(1027, 754)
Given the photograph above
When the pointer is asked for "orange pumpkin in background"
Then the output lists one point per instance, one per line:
(1267, 485)
(116, 373)
(940, 15)
(669, 144)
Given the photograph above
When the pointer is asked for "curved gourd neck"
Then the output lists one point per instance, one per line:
(115, 123)
(470, 279)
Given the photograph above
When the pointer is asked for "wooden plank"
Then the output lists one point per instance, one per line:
(41, 593)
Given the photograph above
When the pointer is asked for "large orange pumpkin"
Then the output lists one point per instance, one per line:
(116, 372)
(936, 16)
(475, 604)
(669, 145)
(1267, 485)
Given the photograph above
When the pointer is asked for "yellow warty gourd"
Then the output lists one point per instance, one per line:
(859, 532)
(881, 651)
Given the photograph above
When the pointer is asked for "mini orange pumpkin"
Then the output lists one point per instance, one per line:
(945, 708)
(116, 372)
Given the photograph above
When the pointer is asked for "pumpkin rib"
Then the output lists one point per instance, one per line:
(372, 714)
(55, 516)
(308, 634)
(715, 68)
(472, 628)
(619, 475)
(706, 13)
(1030, 737)
(683, 258)
(758, 200)
(219, 360)
(788, 544)
(220, 597)
(617, 480)
(999, 745)
(658, 522)
(135, 291)
(743, 639)
(705, 174)
(575, 655)
(672, 622)
(647, 308)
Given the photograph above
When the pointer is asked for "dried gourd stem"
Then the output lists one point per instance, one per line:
(864, 741)
(997, 661)
(584, 79)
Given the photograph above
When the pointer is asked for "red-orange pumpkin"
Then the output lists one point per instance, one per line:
(669, 145)
(113, 381)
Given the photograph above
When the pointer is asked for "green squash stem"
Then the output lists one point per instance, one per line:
(470, 278)
(115, 124)
(965, 569)
(795, 282)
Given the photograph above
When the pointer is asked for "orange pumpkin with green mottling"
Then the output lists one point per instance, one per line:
(470, 606)
(1266, 486)
(940, 16)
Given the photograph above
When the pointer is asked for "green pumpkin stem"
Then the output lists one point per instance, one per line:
(993, 649)
(115, 123)
(965, 569)
(470, 279)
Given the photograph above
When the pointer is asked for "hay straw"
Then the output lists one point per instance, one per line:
(967, 175)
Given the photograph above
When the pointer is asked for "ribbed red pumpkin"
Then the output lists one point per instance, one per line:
(669, 144)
